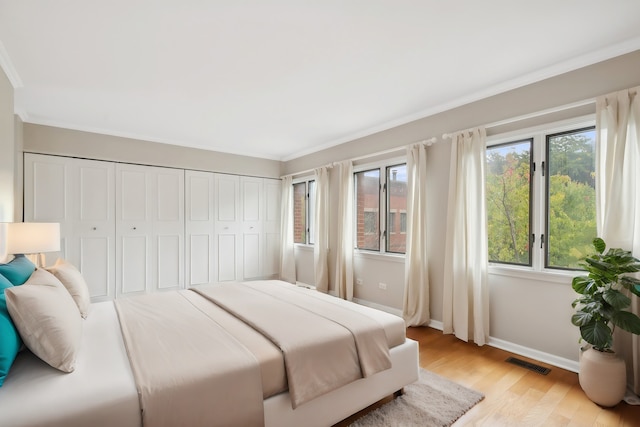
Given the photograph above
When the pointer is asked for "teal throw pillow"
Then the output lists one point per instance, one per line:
(9, 338)
(18, 270)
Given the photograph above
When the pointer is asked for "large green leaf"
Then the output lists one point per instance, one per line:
(617, 299)
(581, 283)
(599, 244)
(581, 318)
(627, 321)
(597, 334)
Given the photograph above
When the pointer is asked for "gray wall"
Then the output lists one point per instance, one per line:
(530, 312)
(7, 150)
(73, 143)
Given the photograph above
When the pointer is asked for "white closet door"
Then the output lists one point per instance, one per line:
(251, 228)
(79, 194)
(168, 228)
(47, 197)
(94, 230)
(271, 228)
(149, 229)
(228, 245)
(133, 230)
(199, 226)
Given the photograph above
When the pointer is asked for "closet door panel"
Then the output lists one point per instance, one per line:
(96, 272)
(272, 190)
(133, 264)
(169, 262)
(168, 227)
(47, 178)
(199, 251)
(227, 265)
(200, 259)
(251, 256)
(228, 250)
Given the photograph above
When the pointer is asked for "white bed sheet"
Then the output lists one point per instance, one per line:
(100, 392)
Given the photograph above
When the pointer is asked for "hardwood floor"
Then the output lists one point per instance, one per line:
(514, 396)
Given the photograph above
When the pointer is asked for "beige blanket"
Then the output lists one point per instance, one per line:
(325, 346)
(188, 370)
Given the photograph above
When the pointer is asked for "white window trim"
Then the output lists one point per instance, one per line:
(537, 270)
(298, 180)
(381, 165)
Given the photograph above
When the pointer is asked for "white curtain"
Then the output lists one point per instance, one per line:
(466, 295)
(321, 230)
(415, 309)
(344, 252)
(287, 254)
(618, 196)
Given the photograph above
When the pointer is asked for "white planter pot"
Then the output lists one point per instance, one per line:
(603, 377)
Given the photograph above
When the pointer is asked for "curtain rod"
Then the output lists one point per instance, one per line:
(540, 113)
(428, 141)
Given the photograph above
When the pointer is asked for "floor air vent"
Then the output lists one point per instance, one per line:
(531, 366)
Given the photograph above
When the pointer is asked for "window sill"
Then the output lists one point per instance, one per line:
(550, 276)
(390, 257)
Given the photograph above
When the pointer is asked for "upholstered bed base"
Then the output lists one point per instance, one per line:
(333, 407)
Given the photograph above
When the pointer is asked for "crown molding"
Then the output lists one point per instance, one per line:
(8, 68)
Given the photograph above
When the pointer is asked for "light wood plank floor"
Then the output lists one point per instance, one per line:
(514, 396)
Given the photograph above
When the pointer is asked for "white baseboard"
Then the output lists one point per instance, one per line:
(560, 362)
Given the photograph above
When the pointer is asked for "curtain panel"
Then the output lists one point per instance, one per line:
(466, 295)
(344, 250)
(287, 254)
(321, 230)
(415, 308)
(618, 196)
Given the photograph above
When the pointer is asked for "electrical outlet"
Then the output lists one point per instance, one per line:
(358, 281)
(382, 286)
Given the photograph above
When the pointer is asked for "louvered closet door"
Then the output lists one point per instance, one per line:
(199, 226)
(79, 194)
(228, 245)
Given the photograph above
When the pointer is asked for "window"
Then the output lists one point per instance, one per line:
(367, 192)
(397, 201)
(540, 192)
(303, 211)
(508, 193)
(381, 194)
(571, 197)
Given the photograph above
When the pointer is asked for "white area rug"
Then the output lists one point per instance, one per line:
(431, 401)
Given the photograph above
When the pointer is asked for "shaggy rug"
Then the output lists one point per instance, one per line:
(429, 402)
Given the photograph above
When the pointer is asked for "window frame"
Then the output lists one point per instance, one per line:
(538, 269)
(307, 181)
(381, 166)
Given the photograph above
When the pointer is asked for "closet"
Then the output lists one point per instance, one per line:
(134, 229)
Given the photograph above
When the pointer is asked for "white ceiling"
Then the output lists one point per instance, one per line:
(282, 78)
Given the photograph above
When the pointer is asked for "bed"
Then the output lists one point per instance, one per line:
(102, 390)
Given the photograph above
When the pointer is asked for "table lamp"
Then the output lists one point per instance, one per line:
(32, 238)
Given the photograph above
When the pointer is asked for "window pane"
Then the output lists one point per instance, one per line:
(571, 197)
(397, 202)
(312, 210)
(299, 212)
(508, 187)
(367, 192)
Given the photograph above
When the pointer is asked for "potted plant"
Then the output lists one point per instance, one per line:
(600, 308)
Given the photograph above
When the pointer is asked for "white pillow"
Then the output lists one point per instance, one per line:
(72, 279)
(47, 319)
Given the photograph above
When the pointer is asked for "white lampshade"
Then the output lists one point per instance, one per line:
(32, 237)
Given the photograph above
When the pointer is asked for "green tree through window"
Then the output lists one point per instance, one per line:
(571, 195)
(508, 188)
